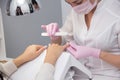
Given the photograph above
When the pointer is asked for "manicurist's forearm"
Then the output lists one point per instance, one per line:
(110, 58)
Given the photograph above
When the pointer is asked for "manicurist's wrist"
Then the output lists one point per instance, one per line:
(103, 54)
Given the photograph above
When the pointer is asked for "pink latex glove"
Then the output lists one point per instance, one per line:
(82, 51)
(51, 29)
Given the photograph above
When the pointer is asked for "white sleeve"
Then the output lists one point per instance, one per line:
(67, 27)
(118, 32)
(46, 72)
(8, 68)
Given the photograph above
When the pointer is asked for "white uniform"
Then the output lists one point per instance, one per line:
(104, 34)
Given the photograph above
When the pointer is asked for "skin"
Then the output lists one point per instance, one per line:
(33, 51)
(29, 54)
(107, 57)
(110, 58)
(53, 53)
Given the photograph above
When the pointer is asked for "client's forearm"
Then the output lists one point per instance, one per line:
(19, 61)
(50, 60)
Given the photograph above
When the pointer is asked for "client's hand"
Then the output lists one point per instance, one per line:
(29, 54)
(53, 53)
(83, 51)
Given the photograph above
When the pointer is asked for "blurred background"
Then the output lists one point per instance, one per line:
(21, 31)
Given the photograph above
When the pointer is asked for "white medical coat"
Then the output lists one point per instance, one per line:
(104, 34)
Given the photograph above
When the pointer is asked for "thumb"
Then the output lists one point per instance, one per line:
(71, 50)
(66, 46)
(41, 50)
(43, 27)
(73, 44)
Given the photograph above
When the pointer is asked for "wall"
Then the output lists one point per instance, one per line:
(25, 30)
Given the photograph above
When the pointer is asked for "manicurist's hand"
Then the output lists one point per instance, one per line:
(83, 51)
(51, 29)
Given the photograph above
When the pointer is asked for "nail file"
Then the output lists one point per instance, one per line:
(57, 34)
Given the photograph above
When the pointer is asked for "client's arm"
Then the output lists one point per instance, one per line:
(29, 54)
(47, 69)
